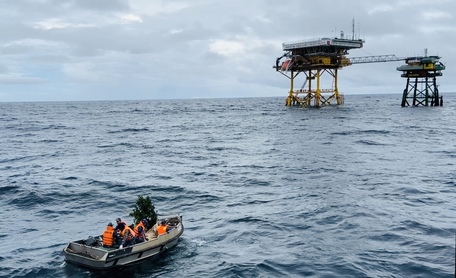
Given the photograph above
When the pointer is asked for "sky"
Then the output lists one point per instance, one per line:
(78, 50)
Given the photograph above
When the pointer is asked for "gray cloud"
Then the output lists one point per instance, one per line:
(140, 49)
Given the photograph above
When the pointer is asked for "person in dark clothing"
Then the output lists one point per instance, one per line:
(117, 236)
(120, 224)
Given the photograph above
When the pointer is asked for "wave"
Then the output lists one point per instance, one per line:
(30, 199)
(9, 190)
(129, 130)
(369, 143)
(361, 132)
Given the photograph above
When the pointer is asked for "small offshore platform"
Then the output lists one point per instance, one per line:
(421, 73)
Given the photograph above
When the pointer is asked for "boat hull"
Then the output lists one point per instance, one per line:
(100, 258)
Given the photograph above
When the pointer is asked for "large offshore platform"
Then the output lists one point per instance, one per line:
(315, 58)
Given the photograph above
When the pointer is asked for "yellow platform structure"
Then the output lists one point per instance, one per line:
(318, 60)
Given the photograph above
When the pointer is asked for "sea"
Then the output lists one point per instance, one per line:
(364, 189)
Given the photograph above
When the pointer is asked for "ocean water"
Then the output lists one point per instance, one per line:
(366, 189)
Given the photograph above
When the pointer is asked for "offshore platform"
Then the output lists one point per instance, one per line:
(314, 58)
(421, 73)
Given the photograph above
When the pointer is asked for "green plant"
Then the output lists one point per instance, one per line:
(144, 209)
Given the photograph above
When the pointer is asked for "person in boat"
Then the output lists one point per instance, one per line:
(162, 228)
(108, 236)
(129, 237)
(120, 224)
(117, 238)
(140, 231)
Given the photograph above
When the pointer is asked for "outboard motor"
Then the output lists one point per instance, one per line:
(91, 241)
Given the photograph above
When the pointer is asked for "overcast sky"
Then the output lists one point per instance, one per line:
(53, 50)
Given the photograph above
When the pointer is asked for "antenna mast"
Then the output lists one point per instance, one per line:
(353, 28)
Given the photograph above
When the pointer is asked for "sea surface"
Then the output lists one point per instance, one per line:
(366, 189)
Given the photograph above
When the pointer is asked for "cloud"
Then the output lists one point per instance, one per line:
(382, 8)
(17, 79)
(436, 28)
(57, 23)
(130, 18)
(86, 21)
(186, 49)
(226, 48)
(81, 72)
(435, 15)
(158, 8)
(31, 46)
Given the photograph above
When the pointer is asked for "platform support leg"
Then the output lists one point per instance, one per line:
(436, 93)
(318, 90)
(290, 100)
(423, 91)
(405, 93)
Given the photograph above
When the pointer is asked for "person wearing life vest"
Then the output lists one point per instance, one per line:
(162, 228)
(140, 231)
(129, 237)
(108, 236)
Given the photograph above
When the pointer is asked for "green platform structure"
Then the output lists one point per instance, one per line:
(421, 88)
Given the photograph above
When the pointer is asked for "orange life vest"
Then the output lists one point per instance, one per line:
(130, 235)
(108, 236)
(140, 224)
(162, 229)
